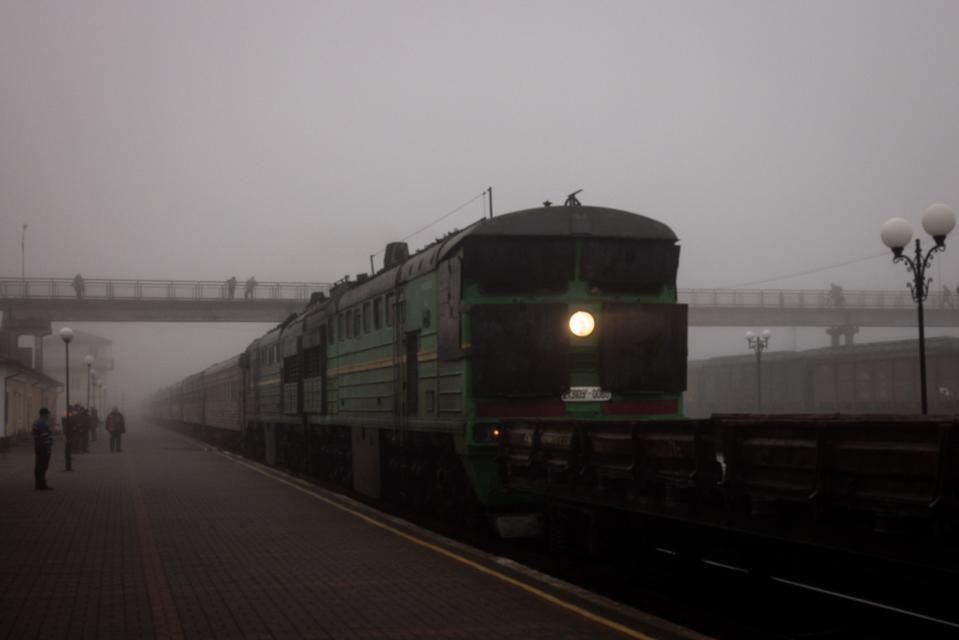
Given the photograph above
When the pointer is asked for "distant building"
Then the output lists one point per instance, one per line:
(23, 391)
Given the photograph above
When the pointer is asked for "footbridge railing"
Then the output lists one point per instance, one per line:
(813, 299)
(186, 290)
(211, 290)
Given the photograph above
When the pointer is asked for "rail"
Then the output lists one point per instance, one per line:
(186, 290)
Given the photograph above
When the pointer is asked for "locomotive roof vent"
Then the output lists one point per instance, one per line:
(362, 277)
(343, 284)
(396, 253)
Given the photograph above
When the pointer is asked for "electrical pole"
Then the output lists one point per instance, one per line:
(23, 252)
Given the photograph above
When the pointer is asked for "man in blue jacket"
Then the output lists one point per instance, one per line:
(42, 447)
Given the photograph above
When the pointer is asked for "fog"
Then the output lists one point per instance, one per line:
(291, 140)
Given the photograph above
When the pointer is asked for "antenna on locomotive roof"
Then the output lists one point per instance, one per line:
(572, 201)
(489, 190)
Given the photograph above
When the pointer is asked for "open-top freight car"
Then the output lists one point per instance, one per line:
(399, 382)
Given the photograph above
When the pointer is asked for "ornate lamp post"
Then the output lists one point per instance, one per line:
(938, 221)
(66, 334)
(759, 344)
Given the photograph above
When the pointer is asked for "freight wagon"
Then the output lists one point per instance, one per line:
(881, 377)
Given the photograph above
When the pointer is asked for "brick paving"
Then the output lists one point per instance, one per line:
(167, 540)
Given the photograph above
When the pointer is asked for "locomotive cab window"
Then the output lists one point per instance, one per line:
(629, 266)
(519, 265)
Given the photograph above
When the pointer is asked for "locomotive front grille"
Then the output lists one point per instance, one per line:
(584, 360)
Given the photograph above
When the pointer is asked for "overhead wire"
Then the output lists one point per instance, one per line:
(807, 272)
(446, 215)
(441, 218)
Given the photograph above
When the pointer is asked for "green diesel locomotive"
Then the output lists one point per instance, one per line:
(396, 384)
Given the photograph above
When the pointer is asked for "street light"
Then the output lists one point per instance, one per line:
(759, 344)
(938, 221)
(66, 334)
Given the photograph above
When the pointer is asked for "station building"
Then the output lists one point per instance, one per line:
(23, 391)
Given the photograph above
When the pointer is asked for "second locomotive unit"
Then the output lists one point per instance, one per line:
(396, 384)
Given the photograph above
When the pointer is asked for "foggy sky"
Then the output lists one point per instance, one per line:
(289, 140)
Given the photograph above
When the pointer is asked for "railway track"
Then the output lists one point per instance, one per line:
(717, 592)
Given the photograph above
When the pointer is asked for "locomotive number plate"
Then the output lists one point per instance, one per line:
(586, 394)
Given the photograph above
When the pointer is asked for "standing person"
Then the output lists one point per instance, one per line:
(117, 427)
(42, 448)
(83, 428)
(79, 285)
(836, 295)
(231, 287)
(250, 286)
(73, 419)
(94, 424)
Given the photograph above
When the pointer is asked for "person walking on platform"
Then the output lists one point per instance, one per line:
(250, 286)
(42, 448)
(79, 285)
(231, 287)
(117, 427)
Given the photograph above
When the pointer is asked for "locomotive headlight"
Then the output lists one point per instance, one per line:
(582, 323)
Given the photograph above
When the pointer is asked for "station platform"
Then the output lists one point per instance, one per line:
(172, 539)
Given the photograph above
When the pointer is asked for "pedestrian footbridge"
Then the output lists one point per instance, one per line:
(117, 300)
(120, 300)
(815, 308)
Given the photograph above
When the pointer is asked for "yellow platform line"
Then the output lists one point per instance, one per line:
(539, 593)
